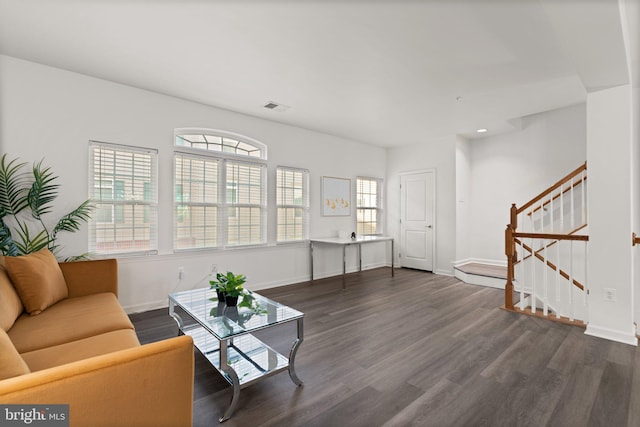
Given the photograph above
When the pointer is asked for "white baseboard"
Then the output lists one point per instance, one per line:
(444, 272)
(475, 279)
(494, 262)
(139, 308)
(613, 335)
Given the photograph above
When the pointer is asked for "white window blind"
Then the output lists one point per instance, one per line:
(292, 199)
(368, 206)
(123, 187)
(246, 203)
(220, 191)
(196, 205)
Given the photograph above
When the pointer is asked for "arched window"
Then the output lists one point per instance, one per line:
(219, 190)
(220, 142)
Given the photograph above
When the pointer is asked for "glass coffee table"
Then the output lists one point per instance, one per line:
(224, 336)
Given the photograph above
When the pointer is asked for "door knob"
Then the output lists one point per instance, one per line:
(428, 226)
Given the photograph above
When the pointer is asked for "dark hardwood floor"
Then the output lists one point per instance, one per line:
(422, 350)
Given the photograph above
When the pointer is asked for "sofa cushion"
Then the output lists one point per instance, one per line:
(11, 364)
(69, 320)
(10, 304)
(81, 349)
(38, 280)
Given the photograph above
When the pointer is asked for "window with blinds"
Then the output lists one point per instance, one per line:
(123, 187)
(196, 202)
(368, 206)
(292, 198)
(220, 192)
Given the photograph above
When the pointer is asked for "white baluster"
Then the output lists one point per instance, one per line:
(571, 308)
(558, 280)
(545, 306)
(522, 275)
(531, 225)
(533, 276)
(561, 209)
(572, 208)
(551, 215)
(583, 202)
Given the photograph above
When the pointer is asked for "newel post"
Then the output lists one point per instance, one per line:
(514, 217)
(509, 251)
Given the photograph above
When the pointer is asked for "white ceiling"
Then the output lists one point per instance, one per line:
(382, 72)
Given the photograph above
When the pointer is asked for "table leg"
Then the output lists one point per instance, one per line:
(311, 258)
(392, 259)
(176, 317)
(293, 352)
(359, 256)
(344, 266)
(234, 378)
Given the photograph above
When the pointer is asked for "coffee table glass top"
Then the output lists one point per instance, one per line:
(254, 312)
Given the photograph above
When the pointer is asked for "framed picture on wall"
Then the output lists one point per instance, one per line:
(336, 196)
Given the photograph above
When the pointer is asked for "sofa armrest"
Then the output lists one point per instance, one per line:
(150, 385)
(90, 277)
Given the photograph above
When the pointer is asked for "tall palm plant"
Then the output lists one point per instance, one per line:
(25, 198)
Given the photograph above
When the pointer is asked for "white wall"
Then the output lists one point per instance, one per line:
(609, 156)
(440, 155)
(463, 200)
(515, 167)
(52, 114)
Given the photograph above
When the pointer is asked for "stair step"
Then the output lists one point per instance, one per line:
(485, 270)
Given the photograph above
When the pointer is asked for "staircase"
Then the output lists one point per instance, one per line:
(546, 245)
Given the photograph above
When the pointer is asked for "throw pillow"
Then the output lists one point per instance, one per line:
(38, 280)
(11, 364)
(10, 304)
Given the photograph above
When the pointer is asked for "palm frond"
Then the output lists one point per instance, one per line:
(7, 245)
(42, 191)
(27, 243)
(13, 186)
(84, 257)
(73, 220)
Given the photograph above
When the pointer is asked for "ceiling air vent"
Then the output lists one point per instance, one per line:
(275, 106)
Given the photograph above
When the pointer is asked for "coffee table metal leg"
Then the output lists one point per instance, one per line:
(176, 317)
(234, 378)
(293, 352)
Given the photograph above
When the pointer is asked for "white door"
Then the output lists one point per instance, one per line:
(416, 220)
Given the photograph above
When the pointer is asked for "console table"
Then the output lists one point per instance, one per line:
(347, 241)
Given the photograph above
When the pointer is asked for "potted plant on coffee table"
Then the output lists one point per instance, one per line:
(229, 285)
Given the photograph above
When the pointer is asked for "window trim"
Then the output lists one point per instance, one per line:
(224, 159)
(379, 201)
(305, 208)
(199, 156)
(221, 133)
(153, 202)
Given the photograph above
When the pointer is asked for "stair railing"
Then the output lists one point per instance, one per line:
(542, 257)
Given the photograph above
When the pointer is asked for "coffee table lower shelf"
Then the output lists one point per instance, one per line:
(250, 358)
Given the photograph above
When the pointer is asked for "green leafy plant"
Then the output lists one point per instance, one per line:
(25, 199)
(229, 283)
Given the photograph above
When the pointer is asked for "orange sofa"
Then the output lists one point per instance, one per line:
(83, 351)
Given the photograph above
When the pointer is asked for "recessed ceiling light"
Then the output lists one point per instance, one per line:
(482, 130)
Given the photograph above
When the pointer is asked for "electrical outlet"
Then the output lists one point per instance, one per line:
(180, 273)
(609, 294)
